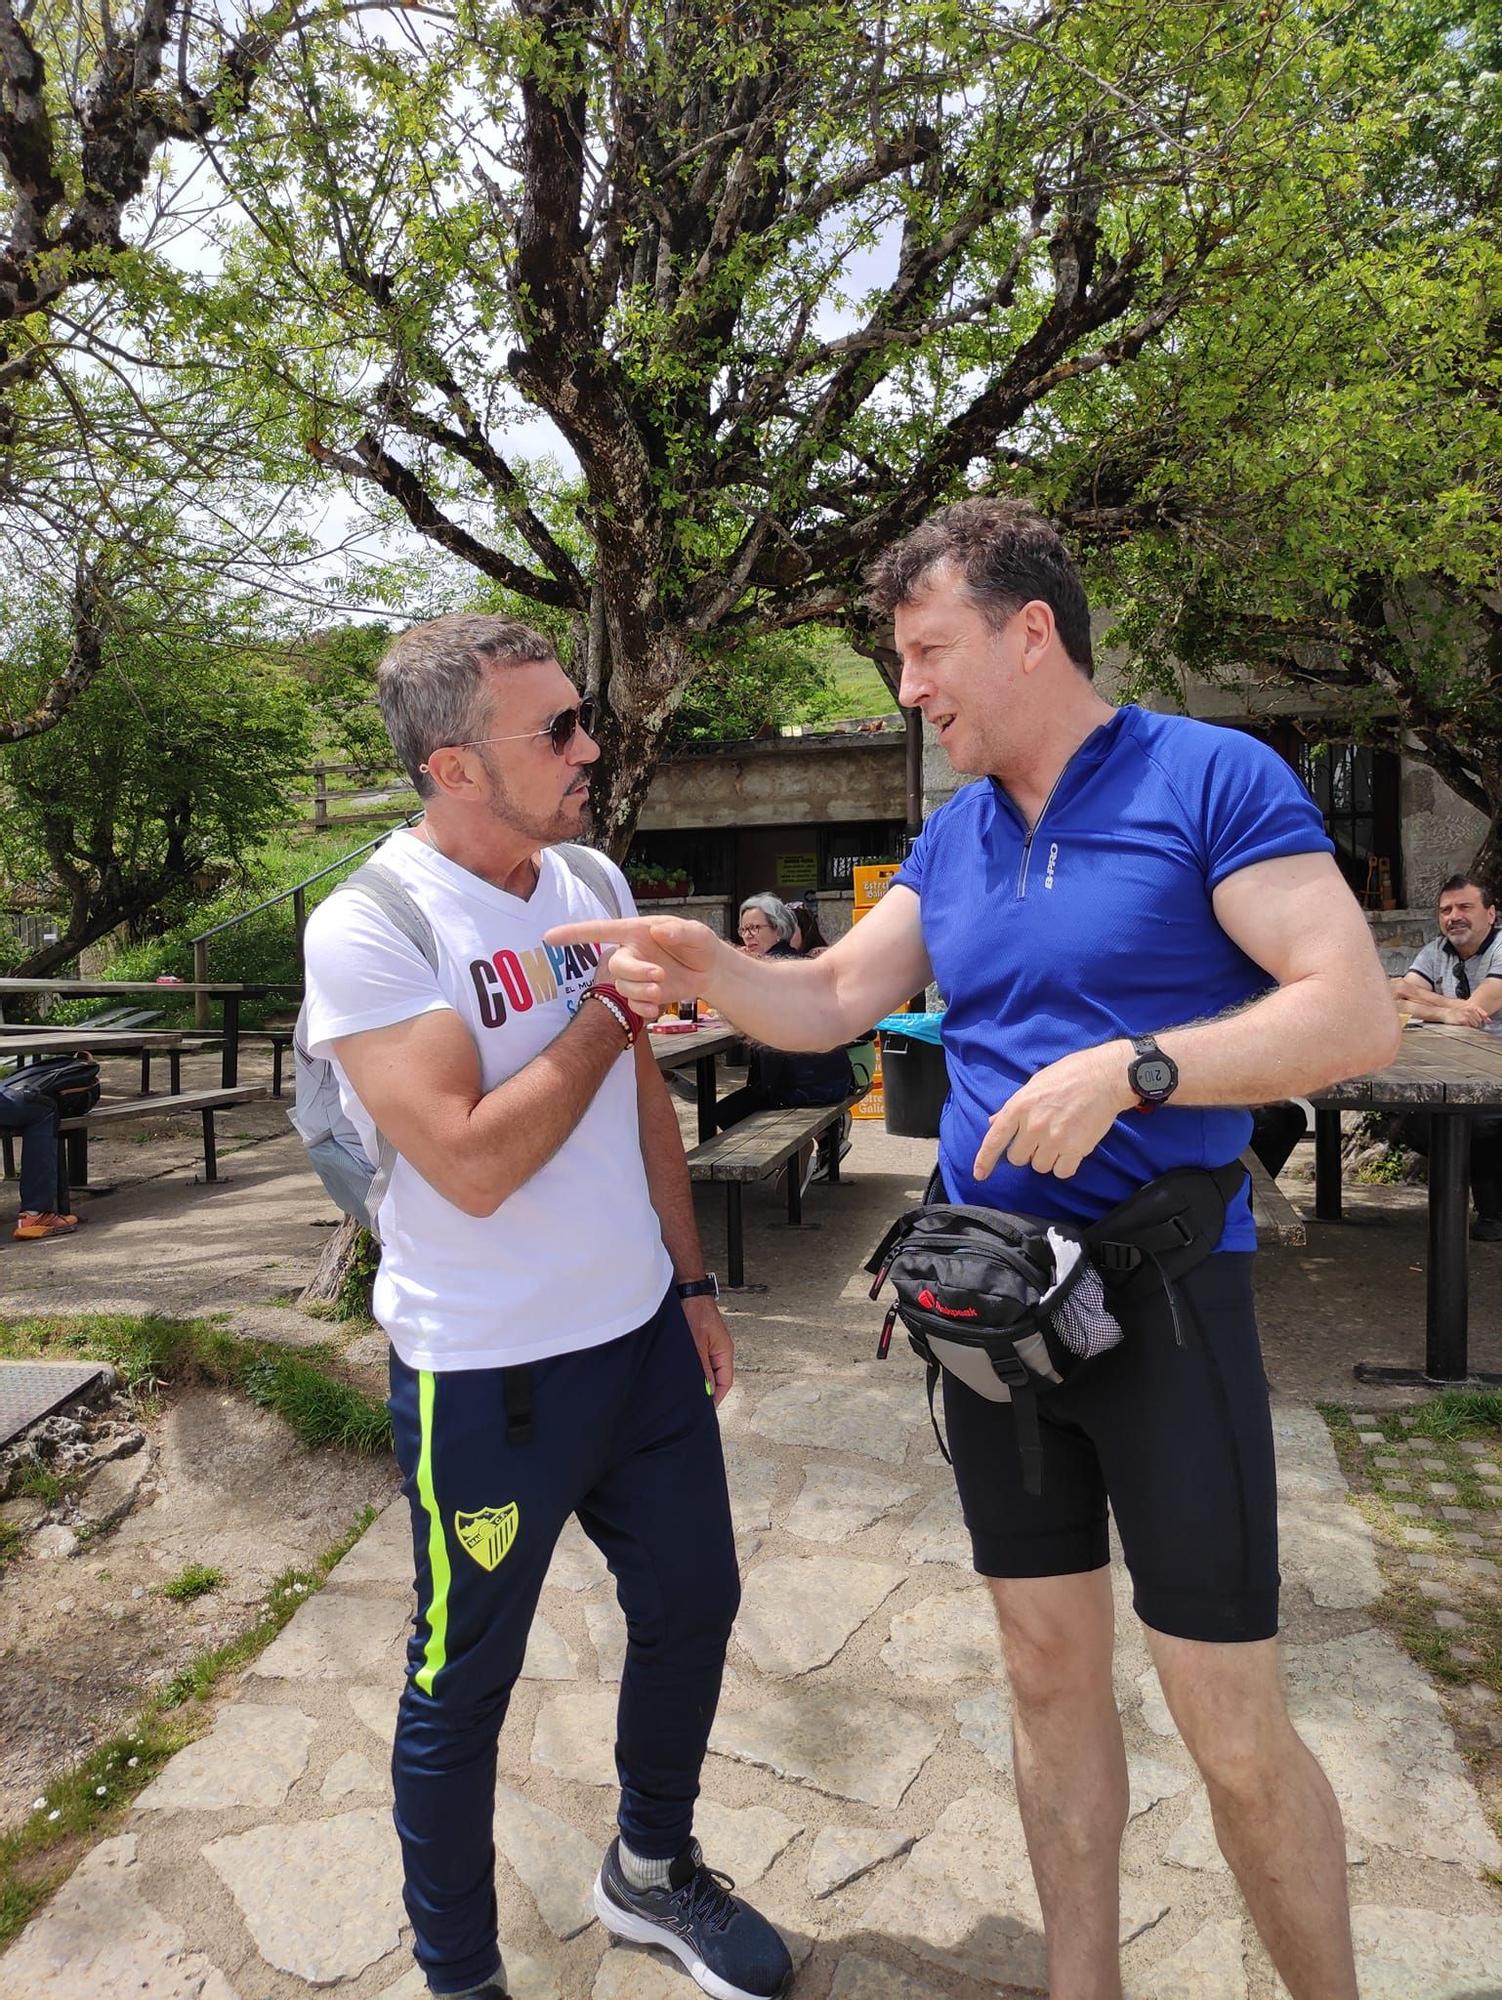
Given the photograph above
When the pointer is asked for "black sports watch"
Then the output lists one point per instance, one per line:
(707, 1287)
(1153, 1076)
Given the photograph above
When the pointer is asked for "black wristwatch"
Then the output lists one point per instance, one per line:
(1154, 1077)
(707, 1287)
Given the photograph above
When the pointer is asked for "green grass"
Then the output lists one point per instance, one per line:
(84, 1801)
(861, 690)
(197, 1580)
(301, 1385)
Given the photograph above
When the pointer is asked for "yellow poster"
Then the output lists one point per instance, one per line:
(872, 880)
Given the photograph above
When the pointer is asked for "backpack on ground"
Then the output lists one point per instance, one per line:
(69, 1082)
(356, 1185)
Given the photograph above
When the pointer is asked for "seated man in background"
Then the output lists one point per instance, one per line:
(1457, 979)
(33, 1115)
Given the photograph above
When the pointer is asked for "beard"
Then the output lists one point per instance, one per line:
(565, 822)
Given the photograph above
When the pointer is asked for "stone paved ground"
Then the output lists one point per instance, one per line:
(859, 1785)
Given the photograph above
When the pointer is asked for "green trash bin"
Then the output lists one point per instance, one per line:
(914, 1079)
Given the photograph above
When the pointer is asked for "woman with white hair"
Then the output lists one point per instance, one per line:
(778, 1077)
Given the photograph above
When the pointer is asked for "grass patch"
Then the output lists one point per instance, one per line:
(320, 1409)
(302, 1385)
(11, 1541)
(83, 1802)
(1443, 1576)
(197, 1580)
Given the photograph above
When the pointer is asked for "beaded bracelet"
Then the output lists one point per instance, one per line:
(617, 1009)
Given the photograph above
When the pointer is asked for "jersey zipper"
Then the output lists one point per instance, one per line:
(1027, 843)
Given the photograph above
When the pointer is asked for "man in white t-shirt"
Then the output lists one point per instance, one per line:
(553, 1329)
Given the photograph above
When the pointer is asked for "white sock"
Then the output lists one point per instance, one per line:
(642, 1873)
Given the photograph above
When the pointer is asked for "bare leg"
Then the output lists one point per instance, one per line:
(1057, 1635)
(1275, 1815)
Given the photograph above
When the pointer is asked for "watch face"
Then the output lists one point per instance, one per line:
(1152, 1075)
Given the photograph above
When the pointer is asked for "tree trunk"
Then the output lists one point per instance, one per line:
(1486, 863)
(339, 1253)
(641, 703)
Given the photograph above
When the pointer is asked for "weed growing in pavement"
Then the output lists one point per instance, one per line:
(1443, 1575)
(197, 1580)
(81, 1803)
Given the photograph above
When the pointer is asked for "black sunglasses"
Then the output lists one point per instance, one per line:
(559, 732)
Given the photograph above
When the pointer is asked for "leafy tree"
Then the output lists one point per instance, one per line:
(781, 275)
(1313, 477)
(91, 100)
(174, 761)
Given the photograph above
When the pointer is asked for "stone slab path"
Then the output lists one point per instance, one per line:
(859, 1785)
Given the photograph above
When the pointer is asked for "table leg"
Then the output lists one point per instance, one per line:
(1448, 1300)
(735, 1248)
(229, 1062)
(1447, 1278)
(704, 1091)
(1327, 1165)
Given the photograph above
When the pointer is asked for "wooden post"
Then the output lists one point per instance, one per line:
(200, 978)
(320, 795)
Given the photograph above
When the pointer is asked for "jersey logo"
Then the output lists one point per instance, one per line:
(1053, 856)
(488, 1534)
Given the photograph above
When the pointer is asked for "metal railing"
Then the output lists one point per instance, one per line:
(298, 895)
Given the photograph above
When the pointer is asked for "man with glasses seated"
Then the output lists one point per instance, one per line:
(1457, 979)
(553, 1329)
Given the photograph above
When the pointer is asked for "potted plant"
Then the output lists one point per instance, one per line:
(651, 884)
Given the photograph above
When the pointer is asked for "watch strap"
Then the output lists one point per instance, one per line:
(707, 1287)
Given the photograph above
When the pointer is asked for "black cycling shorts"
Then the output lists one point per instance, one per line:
(1177, 1440)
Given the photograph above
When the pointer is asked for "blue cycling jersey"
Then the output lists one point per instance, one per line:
(1096, 924)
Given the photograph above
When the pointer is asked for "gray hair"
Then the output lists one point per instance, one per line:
(431, 683)
(776, 912)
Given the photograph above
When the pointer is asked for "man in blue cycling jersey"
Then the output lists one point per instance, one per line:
(1139, 928)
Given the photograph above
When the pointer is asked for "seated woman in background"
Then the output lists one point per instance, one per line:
(807, 938)
(781, 1077)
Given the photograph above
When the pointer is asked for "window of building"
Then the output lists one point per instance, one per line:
(843, 849)
(1356, 788)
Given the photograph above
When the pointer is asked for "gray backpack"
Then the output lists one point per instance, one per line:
(355, 1185)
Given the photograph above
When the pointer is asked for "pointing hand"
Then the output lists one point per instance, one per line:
(655, 960)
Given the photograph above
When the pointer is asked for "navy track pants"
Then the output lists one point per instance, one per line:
(624, 1436)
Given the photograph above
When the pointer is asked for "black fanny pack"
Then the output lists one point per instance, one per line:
(1014, 1305)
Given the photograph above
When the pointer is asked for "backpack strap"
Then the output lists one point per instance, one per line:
(586, 866)
(405, 914)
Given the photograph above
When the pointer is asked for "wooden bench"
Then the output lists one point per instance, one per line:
(278, 1040)
(1277, 1220)
(75, 1167)
(753, 1150)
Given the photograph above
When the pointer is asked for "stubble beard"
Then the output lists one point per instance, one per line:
(563, 824)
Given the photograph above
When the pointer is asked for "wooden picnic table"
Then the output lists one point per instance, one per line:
(1447, 1073)
(702, 1047)
(229, 997)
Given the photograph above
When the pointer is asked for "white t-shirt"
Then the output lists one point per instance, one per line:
(575, 1256)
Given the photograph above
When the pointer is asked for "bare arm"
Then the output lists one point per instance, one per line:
(816, 1004)
(1330, 1016)
(1425, 1004)
(420, 1082)
(673, 1198)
